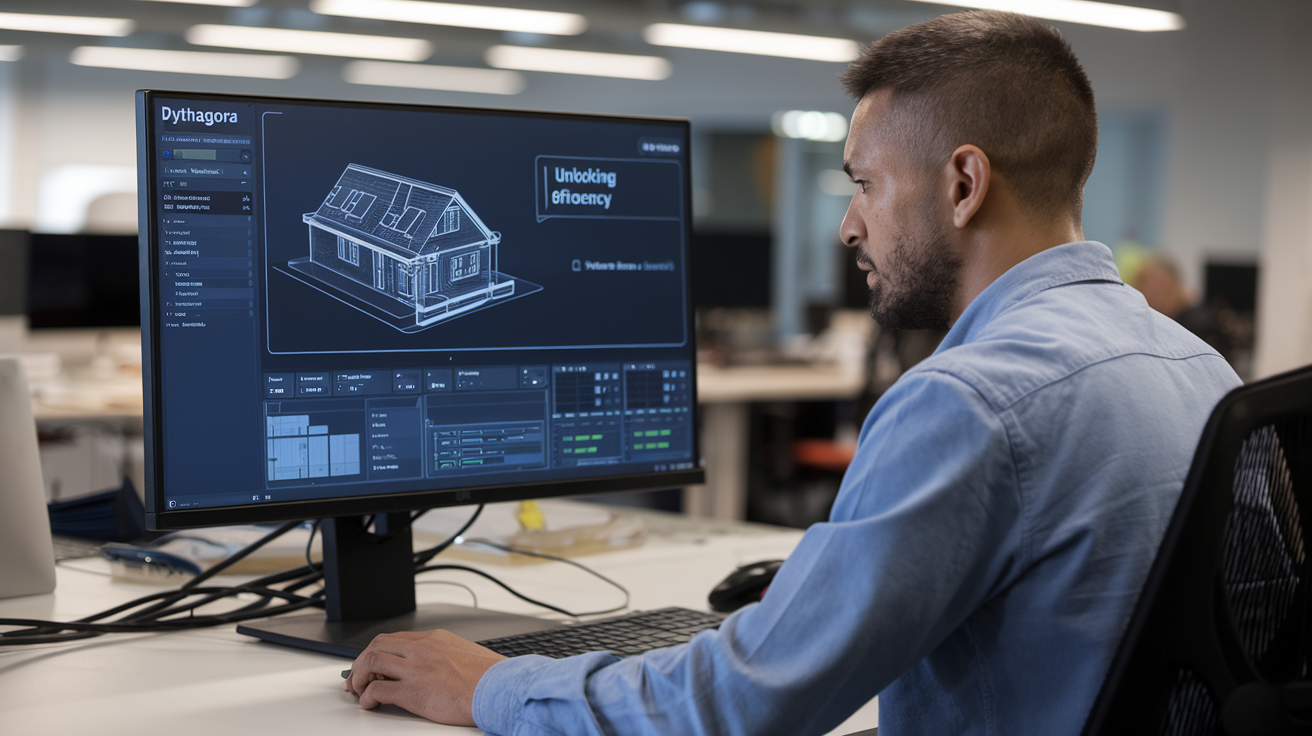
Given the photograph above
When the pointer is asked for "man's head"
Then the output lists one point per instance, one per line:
(950, 110)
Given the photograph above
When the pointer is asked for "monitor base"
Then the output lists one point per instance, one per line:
(315, 632)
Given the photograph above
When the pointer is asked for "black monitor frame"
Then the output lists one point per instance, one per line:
(160, 518)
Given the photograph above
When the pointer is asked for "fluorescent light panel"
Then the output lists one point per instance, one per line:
(187, 62)
(626, 66)
(431, 76)
(734, 40)
(310, 42)
(811, 125)
(10, 53)
(1110, 15)
(224, 3)
(450, 14)
(74, 24)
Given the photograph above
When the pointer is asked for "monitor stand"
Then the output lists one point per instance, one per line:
(369, 582)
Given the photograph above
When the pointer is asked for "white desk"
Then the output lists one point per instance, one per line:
(725, 395)
(214, 681)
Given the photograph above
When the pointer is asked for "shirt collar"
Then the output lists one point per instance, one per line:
(1070, 263)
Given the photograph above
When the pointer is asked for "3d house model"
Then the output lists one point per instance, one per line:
(410, 253)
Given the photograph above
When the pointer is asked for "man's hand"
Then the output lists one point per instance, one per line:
(429, 673)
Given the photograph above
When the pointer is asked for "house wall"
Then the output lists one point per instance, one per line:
(323, 251)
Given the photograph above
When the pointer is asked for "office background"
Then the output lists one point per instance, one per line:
(1205, 146)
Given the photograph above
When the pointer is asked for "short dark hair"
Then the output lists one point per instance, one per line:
(1007, 83)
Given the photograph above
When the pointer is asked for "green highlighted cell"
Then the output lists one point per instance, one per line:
(662, 445)
(596, 436)
(665, 433)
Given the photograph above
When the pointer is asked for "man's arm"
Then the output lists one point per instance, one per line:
(921, 534)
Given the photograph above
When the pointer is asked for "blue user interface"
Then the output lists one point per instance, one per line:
(355, 300)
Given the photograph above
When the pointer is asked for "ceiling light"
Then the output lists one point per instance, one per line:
(818, 48)
(11, 53)
(1111, 15)
(430, 76)
(225, 3)
(449, 14)
(810, 124)
(187, 62)
(310, 42)
(594, 64)
(75, 24)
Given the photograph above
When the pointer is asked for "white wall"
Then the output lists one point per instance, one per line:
(1285, 285)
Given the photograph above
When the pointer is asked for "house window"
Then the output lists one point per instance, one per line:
(464, 265)
(402, 279)
(359, 206)
(450, 221)
(348, 251)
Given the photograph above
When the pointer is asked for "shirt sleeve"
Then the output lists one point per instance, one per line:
(926, 527)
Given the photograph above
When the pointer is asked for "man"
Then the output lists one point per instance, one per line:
(1009, 492)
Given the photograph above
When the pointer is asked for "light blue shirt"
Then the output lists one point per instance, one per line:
(983, 556)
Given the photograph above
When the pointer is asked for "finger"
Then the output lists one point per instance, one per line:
(380, 692)
(373, 665)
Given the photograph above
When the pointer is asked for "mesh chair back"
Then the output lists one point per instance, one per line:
(1219, 639)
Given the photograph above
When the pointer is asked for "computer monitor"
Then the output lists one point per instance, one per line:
(356, 309)
(82, 280)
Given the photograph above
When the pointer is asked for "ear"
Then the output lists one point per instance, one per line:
(968, 173)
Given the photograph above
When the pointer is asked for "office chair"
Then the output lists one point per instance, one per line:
(1219, 641)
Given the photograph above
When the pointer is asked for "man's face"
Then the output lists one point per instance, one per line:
(896, 224)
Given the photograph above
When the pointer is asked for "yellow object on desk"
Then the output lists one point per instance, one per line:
(530, 517)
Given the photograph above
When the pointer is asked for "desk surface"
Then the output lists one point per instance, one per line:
(214, 681)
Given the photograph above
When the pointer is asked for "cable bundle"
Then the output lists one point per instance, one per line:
(175, 610)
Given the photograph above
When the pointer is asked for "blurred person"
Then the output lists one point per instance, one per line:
(1009, 492)
(1159, 282)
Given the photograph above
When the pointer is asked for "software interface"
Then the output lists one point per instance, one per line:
(359, 300)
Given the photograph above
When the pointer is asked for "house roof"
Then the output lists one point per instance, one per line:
(398, 214)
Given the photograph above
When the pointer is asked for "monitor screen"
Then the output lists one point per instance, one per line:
(357, 308)
(82, 280)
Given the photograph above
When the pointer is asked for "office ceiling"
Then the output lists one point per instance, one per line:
(615, 25)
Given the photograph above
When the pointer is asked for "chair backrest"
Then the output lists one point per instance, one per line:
(1219, 641)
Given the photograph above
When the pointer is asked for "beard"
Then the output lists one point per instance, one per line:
(916, 288)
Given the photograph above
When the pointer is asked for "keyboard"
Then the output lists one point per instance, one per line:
(623, 636)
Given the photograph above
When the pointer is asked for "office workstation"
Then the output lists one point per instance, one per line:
(352, 274)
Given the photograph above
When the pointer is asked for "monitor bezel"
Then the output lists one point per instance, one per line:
(159, 518)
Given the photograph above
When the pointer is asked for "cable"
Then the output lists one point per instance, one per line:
(174, 610)
(314, 529)
(164, 604)
(473, 596)
(241, 554)
(423, 557)
(521, 596)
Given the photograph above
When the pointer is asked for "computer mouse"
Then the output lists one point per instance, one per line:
(745, 585)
